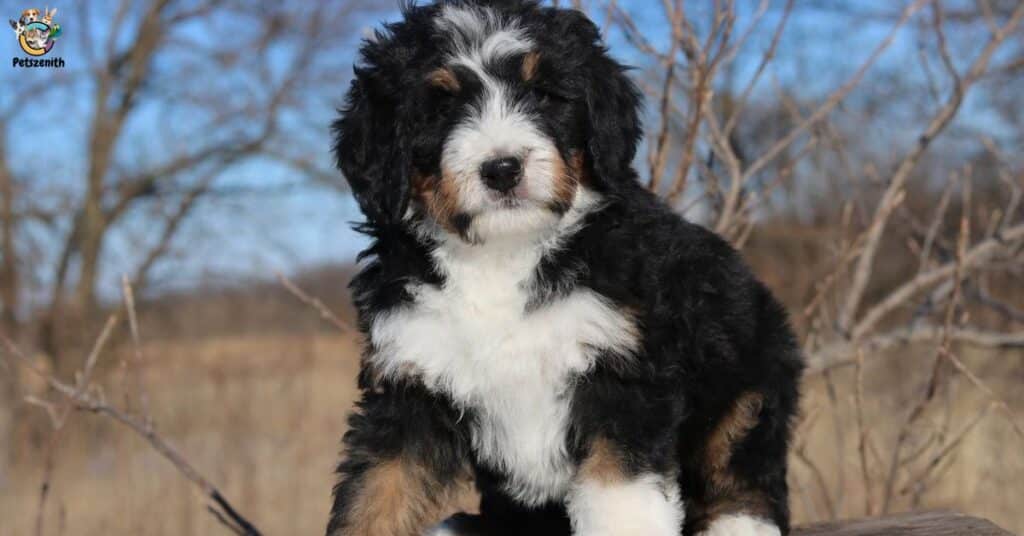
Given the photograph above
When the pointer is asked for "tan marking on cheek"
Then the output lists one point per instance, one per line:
(445, 79)
(568, 177)
(401, 498)
(603, 464)
(531, 64)
(439, 196)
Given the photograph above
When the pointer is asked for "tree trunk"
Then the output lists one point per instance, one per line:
(90, 249)
(9, 281)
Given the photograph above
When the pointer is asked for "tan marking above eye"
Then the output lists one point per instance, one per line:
(445, 79)
(531, 63)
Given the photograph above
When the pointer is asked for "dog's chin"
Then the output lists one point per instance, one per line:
(512, 218)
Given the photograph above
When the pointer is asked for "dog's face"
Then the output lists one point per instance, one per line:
(509, 135)
(485, 118)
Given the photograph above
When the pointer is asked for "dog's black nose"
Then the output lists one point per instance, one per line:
(502, 174)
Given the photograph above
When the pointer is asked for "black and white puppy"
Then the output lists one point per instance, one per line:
(538, 323)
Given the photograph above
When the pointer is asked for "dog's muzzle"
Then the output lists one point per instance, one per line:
(502, 174)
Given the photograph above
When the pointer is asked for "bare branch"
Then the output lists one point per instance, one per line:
(843, 354)
(862, 434)
(938, 123)
(81, 398)
(315, 303)
(766, 58)
(836, 97)
(976, 256)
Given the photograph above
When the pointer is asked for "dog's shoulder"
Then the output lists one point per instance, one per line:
(637, 249)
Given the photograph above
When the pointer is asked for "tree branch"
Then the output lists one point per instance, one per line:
(938, 123)
(82, 398)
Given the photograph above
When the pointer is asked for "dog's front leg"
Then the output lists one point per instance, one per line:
(609, 499)
(404, 466)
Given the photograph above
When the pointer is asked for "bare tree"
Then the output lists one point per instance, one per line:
(720, 150)
(178, 95)
(9, 278)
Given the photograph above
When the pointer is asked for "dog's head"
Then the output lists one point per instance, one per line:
(486, 117)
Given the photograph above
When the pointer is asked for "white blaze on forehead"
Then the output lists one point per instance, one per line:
(497, 127)
(479, 36)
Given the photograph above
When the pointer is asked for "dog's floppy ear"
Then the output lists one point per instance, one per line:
(613, 106)
(613, 103)
(371, 147)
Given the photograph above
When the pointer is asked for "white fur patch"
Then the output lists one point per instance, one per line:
(474, 341)
(479, 35)
(741, 525)
(495, 129)
(646, 506)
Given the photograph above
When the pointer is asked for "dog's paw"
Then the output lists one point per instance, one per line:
(741, 525)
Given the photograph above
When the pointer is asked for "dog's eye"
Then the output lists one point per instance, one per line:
(546, 96)
(441, 95)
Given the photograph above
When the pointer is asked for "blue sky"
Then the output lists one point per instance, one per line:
(284, 224)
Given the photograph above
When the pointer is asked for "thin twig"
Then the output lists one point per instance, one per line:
(659, 151)
(947, 449)
(81, 398)
(843, 354)
(136, 365)
(980, 253)
(819, 479)
(1000, 404)
(862, 434)
(315, 303)
(938, 123)
(838, 96)
(941, 355)
(766, 58)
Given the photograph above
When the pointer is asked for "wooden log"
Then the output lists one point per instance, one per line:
(917, 524)
(920, 524)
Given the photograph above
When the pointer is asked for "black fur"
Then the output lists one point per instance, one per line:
(710, 332)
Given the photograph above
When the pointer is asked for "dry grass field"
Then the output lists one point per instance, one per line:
(982, 476)
(261, 415)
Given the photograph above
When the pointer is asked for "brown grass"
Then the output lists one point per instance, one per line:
(262, 416)
(982, 477)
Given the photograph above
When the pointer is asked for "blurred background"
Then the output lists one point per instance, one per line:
(865, 156)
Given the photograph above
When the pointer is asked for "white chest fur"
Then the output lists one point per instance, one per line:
(473, 341)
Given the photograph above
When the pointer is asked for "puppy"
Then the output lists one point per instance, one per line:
(540, 325)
